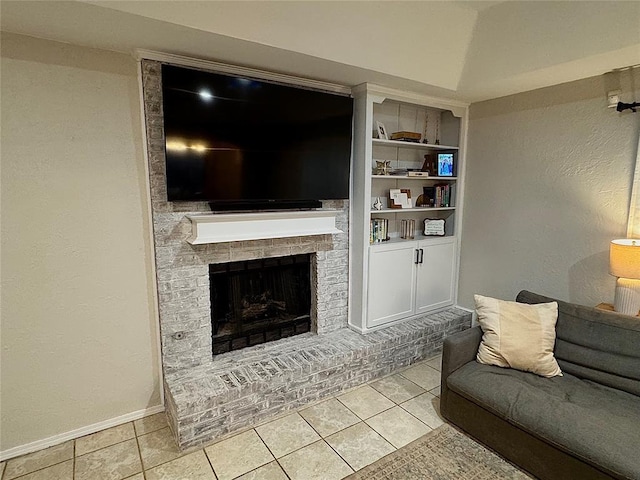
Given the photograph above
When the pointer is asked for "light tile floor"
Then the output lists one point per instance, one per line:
(326, 441)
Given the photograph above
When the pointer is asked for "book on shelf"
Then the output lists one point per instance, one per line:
(378, 230)
(443, 195)
(405, 136)
(438, 195)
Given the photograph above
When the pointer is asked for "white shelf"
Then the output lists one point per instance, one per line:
(419, 146)
(407, 177)
(409, 210)
(220, 228)
(417, 238)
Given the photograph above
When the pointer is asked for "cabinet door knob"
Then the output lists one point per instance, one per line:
(421, 255)
(417, 256)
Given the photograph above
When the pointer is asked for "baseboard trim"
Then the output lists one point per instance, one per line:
(77, 433)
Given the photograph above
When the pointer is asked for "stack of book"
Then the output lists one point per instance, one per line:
(378, 230)
(443, 195)
(437, 196)
(406, 136)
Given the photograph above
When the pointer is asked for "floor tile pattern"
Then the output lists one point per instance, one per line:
(365, 401)
(359, 445)
(287, 434)
(194, 466)
(329, 417)
(328, 440)
(239, 454)
(397, 388)
(104, 438)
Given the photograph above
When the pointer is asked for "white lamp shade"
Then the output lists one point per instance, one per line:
(624, 258)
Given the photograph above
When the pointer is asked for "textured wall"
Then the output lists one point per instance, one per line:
(78, 325)
(548, 185)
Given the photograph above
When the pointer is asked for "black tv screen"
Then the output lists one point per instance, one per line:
(242, 142)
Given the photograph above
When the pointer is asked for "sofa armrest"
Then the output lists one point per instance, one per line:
(457, 350)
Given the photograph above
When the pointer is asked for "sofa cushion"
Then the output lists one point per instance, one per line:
(594, 344)
(597, 424)
(518, 335)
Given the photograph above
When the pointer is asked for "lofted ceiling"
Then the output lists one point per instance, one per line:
(467, 50)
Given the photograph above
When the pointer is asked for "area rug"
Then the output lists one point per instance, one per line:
(443, 454)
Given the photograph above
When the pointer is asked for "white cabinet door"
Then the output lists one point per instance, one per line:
(435, 274)
(391, 292)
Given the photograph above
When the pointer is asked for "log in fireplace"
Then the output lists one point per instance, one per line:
(258, 301)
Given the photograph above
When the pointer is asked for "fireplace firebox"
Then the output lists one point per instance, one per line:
(258, 301)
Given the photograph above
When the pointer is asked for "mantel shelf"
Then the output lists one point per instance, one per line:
(219, 228)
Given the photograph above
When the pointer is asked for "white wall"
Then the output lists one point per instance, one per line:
(549, 177)
(78, 318)
(421, 41)
(519, 46)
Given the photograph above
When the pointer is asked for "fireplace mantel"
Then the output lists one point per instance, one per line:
(218, 228)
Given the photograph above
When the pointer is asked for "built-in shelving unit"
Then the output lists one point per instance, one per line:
(403, 277)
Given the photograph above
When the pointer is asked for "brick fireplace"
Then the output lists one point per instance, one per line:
(209, 396)
(184, 283)
(259, 301)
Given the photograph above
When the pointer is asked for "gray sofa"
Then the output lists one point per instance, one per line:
(583, 425)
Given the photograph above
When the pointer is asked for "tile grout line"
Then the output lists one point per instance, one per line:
(371, 416)
(274, 457)
(421, 420)
(102, 448)
(425, 391)
(328, 444)
(144, 475)
(43, 468)
(73, 471)
(364, 422)
(398, 404)
(407, 411)
(206, 455)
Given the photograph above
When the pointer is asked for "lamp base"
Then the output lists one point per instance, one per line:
(627, 299)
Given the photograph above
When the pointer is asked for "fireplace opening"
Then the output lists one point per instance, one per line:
(258, 301)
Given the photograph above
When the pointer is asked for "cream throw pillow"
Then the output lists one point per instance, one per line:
(518, 335)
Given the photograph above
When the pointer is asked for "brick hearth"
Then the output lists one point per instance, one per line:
(242, 388)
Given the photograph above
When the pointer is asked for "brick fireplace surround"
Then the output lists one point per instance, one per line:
(207, 398)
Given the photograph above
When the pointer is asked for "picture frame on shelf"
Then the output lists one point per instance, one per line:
(434, 227)
(400, 198)
(382, 131)
(446, 163)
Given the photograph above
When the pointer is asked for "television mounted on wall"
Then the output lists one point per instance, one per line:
(241, 143)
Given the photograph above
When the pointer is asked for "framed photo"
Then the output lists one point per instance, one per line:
(400, 198)
(434, 227)
(446, 164)
(382, 131)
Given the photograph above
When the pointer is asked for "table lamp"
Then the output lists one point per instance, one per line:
(624, 263)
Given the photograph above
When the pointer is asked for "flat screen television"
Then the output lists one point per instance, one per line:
(241, 143)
